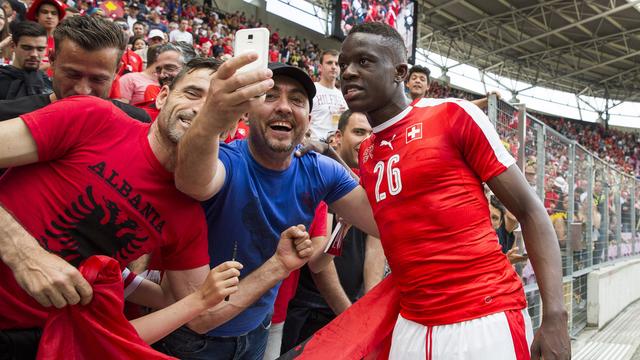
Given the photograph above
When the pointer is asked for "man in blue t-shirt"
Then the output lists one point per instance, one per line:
(252, 190)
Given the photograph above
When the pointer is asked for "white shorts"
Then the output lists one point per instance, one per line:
(501, 336)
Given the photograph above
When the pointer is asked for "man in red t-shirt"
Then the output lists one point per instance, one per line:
(85, 179)
(423, 170)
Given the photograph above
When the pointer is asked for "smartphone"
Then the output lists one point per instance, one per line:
(256, 40)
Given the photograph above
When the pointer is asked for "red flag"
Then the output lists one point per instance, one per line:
(363, 331)
(98, 330)
(113, 8)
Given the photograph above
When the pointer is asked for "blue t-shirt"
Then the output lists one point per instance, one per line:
(255, 205)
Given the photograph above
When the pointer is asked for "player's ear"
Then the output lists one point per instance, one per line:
(402, 70)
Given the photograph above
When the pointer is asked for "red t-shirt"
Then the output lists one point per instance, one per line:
(423, 172)
(130, 62)
(289, 285)
(97, 190)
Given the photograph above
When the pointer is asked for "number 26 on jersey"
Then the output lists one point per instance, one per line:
(394, 181)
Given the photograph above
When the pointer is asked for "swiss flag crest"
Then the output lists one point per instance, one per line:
(414, 132)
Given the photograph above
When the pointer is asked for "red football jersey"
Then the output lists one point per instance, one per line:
(423, 172)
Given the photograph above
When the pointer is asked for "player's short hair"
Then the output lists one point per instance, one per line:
(419, 69)
(331, 52)
(391, 36)
(196, 64)
(91, 33)
(27, 28)
(344, 120)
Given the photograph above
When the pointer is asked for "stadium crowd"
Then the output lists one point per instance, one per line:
(48, 60)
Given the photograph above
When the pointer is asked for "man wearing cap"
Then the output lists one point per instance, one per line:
(47, 13)
(256, 187)
(29, 40)
(156, 37)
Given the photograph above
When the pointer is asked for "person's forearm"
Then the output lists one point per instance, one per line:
(16, 244)
(159, 324)
(373, 263)
(197, 160)
(544, 253)
(329, 287)
(250, 289)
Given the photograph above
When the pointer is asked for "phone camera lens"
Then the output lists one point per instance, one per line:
(250, 36)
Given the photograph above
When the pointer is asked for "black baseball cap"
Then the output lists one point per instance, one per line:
(298, 75)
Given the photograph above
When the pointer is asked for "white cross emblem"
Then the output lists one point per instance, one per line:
(414, 132)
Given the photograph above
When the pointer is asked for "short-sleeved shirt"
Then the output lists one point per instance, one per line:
(255, 205)
(134, 85)
(97, 189)
(423, 172)
(328, 105)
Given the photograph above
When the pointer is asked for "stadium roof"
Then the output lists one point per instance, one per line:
(589, 47)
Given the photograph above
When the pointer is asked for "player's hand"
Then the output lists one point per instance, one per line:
(514, 257)
(295, 248)
(551, 342)
(320, 147)
(221, 282)
(51, 280)
(231, 95)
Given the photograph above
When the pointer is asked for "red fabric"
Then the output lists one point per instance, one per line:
(150, 108)
(242, 131)
(130, 62)
(45, 59)
(98, 330)
(423, 175)
(289, 285)
(518, 334)
(86, 198)
(114, 93)
(363, 331)
(151, 93)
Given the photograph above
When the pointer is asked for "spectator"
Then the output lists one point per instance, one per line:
(139, 29)
(329, 102)
(157, 37)
(82, 68)
(138, 43)
(133, 86)
(418, 82)
(5, 38)
(259, 167)
(181, 33)
(24, 78)
(504, 223)
(47, 13)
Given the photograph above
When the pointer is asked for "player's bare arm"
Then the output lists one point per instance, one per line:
(354, 208)
(551, 342)
(294, 250)
(198, 172)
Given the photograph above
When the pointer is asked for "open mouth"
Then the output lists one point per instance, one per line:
(185, 122)
(281, 126)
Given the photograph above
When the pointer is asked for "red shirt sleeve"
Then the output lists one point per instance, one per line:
(318, 226)
(67, 123)
(478, 140)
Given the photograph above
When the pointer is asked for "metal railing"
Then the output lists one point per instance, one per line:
(591, 204)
